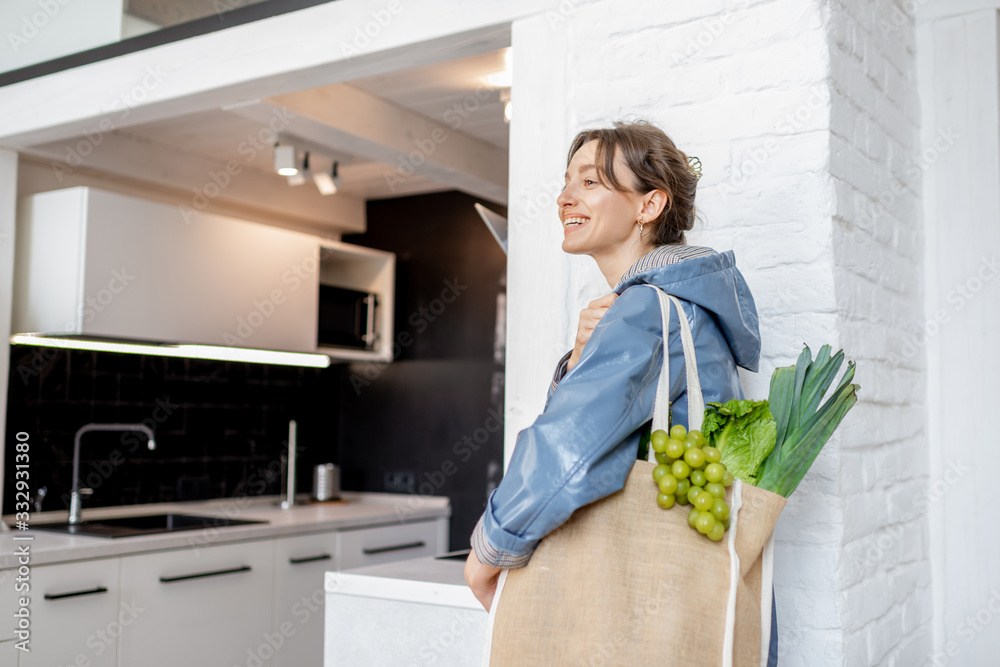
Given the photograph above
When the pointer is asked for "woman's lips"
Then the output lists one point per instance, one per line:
(574, 222)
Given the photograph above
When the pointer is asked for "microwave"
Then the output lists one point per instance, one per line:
(347, 318)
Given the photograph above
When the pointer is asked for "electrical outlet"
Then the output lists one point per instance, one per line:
(401, 481)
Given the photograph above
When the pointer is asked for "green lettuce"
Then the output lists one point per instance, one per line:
(744, 431)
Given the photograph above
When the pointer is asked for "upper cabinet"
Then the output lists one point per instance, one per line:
(98, 264)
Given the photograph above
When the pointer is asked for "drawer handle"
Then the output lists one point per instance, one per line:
(309, 559)
(199, 575)
(395, 547)
(75, 594)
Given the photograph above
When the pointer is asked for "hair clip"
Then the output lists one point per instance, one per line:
(694, 166)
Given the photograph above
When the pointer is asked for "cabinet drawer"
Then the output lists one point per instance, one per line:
(76, 618)
(299, 566)
(9, 654)
(8, 602)
(384, 544)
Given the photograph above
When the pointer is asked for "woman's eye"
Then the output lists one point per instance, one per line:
(588, 181)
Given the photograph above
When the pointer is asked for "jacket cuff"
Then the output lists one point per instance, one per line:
(560, 371)
(490, 555)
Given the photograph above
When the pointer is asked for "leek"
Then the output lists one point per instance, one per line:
(803, 426)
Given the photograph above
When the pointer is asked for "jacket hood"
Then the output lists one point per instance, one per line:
(715, 284)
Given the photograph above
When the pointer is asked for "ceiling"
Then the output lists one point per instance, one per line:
(451, 93)
(377, 128)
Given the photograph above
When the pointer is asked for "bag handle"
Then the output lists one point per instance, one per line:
(696, 415)
(696, 401)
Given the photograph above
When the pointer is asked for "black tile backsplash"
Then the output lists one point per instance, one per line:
(216, 423)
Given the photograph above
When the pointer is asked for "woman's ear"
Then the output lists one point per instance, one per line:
(653, 203)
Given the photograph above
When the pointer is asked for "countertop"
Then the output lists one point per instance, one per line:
(359, 510)
(431, 580)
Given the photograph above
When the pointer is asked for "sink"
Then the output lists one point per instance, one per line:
(151, 524)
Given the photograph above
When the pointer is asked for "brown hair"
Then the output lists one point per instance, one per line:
(656, 164)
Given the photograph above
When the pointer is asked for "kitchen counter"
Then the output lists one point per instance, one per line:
(359, 510)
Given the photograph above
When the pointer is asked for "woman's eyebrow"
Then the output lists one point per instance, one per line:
(583, 168)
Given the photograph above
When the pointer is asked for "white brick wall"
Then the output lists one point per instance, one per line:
(883, 574)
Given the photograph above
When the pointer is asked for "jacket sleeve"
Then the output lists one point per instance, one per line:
(578, 449)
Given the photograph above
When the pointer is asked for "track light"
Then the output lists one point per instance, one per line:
(301, 175)
(284, 160)
(299, 165)
(327, 183)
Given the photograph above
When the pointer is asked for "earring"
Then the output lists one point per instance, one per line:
(641, 223)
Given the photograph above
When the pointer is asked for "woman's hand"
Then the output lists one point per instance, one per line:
(482, 579)
(589, 317)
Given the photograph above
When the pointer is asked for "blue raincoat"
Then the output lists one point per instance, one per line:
(572, 454)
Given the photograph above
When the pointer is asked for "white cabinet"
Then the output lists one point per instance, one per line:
(100, 264)
(201, 606)
(384, 544)
(257, 604)
(9, 654)
(76, 617)
(97, 263)
(300, 563)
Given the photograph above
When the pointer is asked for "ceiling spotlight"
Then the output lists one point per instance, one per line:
(284, 160)
(327, 183)
(506, 111)
(301, 175)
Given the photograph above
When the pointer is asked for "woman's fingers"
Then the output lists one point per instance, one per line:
(589, 317)
(482, 579)
(604, 301)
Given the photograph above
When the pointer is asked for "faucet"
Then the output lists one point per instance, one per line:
(289, 502)
(74, 497)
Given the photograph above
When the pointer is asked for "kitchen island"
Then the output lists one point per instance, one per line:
(413, 612)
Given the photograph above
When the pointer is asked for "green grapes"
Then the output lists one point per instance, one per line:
(675, 448)
(658, 440)
(665, 500)
(668, 484)
(690, 472)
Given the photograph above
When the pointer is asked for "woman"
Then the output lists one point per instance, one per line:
(628, 199)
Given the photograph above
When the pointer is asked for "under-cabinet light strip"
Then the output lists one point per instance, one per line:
(215, 352)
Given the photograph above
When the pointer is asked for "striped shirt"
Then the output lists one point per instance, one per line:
(663, 255)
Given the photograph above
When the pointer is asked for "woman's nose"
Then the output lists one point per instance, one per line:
(565, 197)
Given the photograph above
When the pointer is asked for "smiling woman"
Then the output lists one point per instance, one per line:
(628, 201)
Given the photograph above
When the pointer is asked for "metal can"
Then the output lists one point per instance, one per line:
(326, 482)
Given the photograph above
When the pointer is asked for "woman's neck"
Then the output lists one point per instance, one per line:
(614, 265)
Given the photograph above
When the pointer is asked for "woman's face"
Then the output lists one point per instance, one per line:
(598, 220)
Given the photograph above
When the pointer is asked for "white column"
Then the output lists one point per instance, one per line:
(959, 84)
(8, 215)
(537, 271)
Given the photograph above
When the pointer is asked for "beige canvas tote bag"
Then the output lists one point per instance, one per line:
(624, 582)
